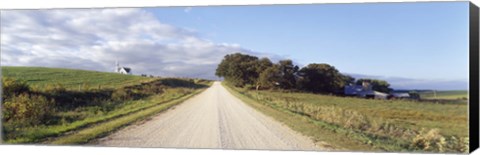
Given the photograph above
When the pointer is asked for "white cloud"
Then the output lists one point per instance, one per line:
(94, 38)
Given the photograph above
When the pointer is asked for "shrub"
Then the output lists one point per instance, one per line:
(13, 87)
(249, 87)
(25, 109)
(429, 141)
(458, 144)
(199, 81)
(122, 94)
(55, 89)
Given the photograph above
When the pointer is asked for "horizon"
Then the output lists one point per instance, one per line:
(191, 41)
(356, 76)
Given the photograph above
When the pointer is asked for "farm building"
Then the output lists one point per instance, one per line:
(353, 90)
(404, 95)
(400, 95)
(122, 70)
(125, 70)
(364, 91)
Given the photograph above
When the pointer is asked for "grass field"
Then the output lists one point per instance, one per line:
(70, 78)
(386, 125)
(449, 95)
(77, 115)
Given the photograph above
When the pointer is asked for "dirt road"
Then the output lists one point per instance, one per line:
(212, 119)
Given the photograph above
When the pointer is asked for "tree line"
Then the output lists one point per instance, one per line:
(244, 70)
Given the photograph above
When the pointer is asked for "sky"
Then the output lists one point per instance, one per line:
(411, 45)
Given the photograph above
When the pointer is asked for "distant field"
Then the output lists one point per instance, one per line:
(453, 94)
(390, 125)
(71, 78)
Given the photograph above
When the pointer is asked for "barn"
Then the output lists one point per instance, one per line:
(400, 95)
(364, 91)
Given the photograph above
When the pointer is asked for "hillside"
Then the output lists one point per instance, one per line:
(66, 106)
(70, 78)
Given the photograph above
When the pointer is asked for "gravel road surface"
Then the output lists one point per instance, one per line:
(212, 119)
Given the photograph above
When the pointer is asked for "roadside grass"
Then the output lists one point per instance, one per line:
(450, 118)
(103, 129)
(387, 125)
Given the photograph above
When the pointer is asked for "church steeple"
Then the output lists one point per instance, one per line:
(117, 66)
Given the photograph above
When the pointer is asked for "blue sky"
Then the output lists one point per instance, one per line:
(414, 40)
(410, 45)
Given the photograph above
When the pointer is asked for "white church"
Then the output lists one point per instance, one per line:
(122, 70)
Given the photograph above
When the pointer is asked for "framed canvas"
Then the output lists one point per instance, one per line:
(323, 77)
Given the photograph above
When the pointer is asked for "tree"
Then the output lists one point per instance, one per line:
(245, 70)
(348, 79)
(270, 77)
(261, 66)
(287, 72)
(377, 85)
(322, 78)
(239, 69)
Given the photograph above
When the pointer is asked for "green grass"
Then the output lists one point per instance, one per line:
(71, 79)
(121, 100)
(450, 118)
(450, 95)
(388, 125)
